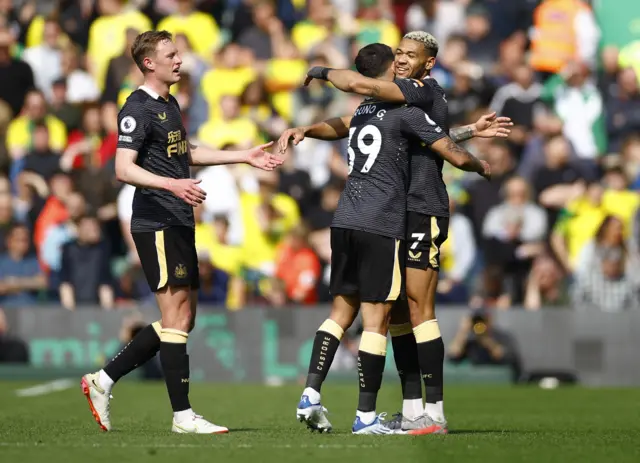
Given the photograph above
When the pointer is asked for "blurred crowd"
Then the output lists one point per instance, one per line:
(557, 226)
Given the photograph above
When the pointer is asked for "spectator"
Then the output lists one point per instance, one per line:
(90, 145)
(231, 74)
(623, 110)
(214, 283)
(266, 33)
(631, 160)
(482, 44)
(316, 27)
(20, 133)
(42, 161)
(231, 128)
(545, 285)
(454, 51)
(226, 260)
(16, 76)
(7, 221)
(610, 235)
(607, 286)
(577, 223)
(517, 100)
(107, 35)
(485, 195)
(256, 106)
(69, 114)
(12, 350)
(457, 256)
(200, 28)
(81, 86)
(441, 18)
(266, 217)
(118, 69)
(554, 180)
(374, 26)
(298, 267)
(296, 183)
(54, 211)
(563, 31)
(20, 274)
(479, 342)
(46, 59)
(514, 232)
(85, 273)
(59, 235)
(575, 99)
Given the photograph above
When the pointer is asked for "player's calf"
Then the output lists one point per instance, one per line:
(325, 345)
(371, 358)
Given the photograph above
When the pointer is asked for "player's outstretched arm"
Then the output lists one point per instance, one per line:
(258, 156)
(488, 126)
(460, 158)
(354, 82)
(127, 171)
(329, 130)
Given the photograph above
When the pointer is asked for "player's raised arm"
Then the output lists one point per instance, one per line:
(258, 156)
(488, 126)
(354, 82)
(329, 130)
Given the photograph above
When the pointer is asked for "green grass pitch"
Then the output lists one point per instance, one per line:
(487, 424)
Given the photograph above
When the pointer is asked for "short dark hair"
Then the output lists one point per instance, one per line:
(374, 60)
(145, 45)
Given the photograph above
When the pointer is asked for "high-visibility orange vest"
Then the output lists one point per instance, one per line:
(554, 41)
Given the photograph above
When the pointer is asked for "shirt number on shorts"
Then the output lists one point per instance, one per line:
(371, 150)
(419, 237)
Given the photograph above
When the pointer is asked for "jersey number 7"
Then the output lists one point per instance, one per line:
(370, 150)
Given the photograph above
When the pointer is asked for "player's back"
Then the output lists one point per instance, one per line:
(153, 127)
(374, 198)
(427, 190)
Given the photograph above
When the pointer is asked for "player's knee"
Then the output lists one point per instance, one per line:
(376, 317)
(421, 310)
(343, 314)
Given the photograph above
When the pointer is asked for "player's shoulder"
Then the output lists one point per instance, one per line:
(135, 102)
(432, 83)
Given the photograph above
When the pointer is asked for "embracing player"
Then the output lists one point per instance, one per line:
(155, 155)
(363, 198)
(427, 223)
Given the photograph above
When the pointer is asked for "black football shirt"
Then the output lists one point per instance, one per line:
(427, 190)
(375, 195)
(152, 126)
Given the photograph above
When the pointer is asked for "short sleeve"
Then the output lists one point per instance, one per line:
(132, 126)
(417, 123)
(416, 93)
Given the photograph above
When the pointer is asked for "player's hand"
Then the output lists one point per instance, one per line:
(316, 72)
(262, 159)
(187, 189)
(486, 173)
(490, 126)
(297, 134)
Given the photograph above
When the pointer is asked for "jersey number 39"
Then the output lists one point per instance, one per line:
(371, 149)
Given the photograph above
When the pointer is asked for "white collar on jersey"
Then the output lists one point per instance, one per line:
(153, 94)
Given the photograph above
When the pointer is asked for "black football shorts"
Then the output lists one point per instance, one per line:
(169, 257)
(425, 235)
(366, 265)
